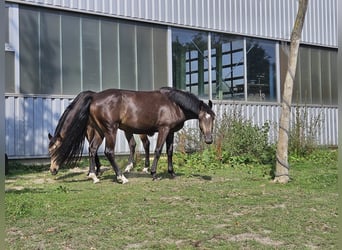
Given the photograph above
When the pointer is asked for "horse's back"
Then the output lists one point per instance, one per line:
(135, 111)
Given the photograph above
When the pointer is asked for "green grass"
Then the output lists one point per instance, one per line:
(223, 208)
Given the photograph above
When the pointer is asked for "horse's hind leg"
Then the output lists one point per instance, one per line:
(109, 152)
(93, 160)
(132, 145)
(169, 151)
(95, 141)
(146, 144)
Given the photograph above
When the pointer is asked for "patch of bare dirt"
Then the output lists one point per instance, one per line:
(264, 240)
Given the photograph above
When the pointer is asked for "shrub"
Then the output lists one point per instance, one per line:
(240, 142)
(303, 132)
(237, 141)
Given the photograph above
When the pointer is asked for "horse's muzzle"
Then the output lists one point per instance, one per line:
(208, 139)
(53, 171)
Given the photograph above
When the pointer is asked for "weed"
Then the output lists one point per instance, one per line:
(62, 189)
(304, 131)
(237, 142)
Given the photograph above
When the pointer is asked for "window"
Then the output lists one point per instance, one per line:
(65, 53)
(261, 70)
(316, 75)
(190, 61)
(227, 53)
(230, 58)
(9, 58)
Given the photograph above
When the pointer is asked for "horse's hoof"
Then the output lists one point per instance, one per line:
(122, 179)
(128, 168)
(93, 177)
(145, 170)
(172, 174)
(155, 178)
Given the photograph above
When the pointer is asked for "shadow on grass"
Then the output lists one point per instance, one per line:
(15, 190)
(69, 175)
(203, 177)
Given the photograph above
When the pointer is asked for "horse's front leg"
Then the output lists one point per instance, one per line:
(132, 144)
(146, 144)
(169, 151)
(162, 134)
(109, 152)
(98, 165)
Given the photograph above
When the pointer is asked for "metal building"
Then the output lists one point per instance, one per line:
(231, 51)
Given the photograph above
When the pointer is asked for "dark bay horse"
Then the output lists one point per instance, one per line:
(135, 112)
(92, 134)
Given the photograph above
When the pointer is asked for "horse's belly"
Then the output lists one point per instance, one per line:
(138, 129)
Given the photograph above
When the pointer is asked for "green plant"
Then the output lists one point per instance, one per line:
(188, 140)
(304, 131)
(238, 141)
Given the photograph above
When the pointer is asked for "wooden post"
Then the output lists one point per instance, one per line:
(282, 165)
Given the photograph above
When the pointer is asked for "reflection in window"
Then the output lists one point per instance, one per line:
(231, 56)
(190, 62)
(227, 59)
(261, 70)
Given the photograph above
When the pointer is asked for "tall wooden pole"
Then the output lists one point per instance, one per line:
(282, 165)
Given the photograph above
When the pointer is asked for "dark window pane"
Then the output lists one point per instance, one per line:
(91, 54)
(127, 56)
(110, 54)
(71, 59)
(228, 64)
(303, 93)
(316, 76)
(326, 77)
(29, 50)
(144, 57)
(50, 53)
(9, 69)
(160, 57)
(6, 24)
(261, 70)
(189, 60)
(334, 81)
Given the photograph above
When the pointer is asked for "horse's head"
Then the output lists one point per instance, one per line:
(54, 144)
(206, 119)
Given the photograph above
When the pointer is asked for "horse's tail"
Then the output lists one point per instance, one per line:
(76, 116)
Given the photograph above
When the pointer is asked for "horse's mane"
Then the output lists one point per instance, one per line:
(186, 100)
(71, 148)
(68, 109)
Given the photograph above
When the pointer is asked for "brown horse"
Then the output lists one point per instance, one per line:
(92, 134)
(135, 112)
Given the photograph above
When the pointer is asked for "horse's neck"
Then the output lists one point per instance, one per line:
(190, 115)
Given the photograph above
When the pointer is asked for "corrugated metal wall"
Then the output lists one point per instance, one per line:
(30, 119)
(262, 18)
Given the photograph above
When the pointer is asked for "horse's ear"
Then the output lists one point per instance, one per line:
(210, 103)
(50, 136)
(201, 105)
